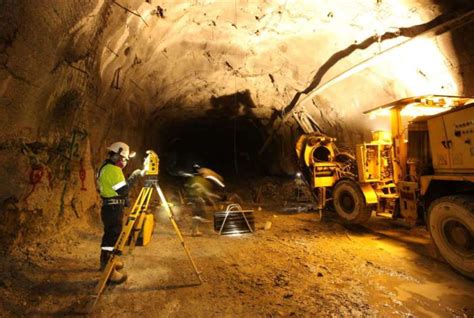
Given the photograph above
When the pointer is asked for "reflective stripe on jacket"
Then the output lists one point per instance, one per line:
(110, 180)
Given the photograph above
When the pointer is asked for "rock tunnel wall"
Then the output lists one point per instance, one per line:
(77, 75)
(49, 91)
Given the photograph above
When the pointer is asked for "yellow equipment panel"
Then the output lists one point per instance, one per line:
(368, 158)
(151, 164)
(325, 174)
(440, 153)
(452, 140)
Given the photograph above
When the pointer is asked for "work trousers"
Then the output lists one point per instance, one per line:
(112, 218)
(199, 206)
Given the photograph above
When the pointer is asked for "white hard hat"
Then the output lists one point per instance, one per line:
(122, 149)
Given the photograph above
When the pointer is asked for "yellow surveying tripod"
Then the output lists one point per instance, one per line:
(134, 222)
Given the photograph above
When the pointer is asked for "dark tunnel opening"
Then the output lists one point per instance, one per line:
(227, 145)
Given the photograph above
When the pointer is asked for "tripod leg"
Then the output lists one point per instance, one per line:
(176, 228)
(143, 197)
(139, 223)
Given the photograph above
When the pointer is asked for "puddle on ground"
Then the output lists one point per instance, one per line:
(436, 291)
(415, 284)
(430, 290)
(424, 299)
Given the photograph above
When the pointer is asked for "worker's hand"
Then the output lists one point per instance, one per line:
(185, 174)
(134, 176)
(138, 173)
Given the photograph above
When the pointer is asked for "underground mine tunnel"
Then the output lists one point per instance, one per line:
(299, 158)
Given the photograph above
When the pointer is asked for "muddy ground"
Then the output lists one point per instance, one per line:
(299, 267)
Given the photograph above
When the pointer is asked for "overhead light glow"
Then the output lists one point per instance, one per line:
(419, 106)
(412, 110)
(382, 112)
(415, 110)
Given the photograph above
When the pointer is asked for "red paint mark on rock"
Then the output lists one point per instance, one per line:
(36, 174)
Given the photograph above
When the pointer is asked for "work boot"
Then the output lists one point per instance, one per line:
(119, 263)
(117, 277)
(104, 258)
(195, 227)
(196, 232)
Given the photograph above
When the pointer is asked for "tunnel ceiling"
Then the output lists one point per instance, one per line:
(167, 60)
(183, 58)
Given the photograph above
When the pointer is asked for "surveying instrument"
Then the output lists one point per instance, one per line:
(135, 222)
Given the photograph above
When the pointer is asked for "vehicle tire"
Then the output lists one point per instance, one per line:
(451, 224)
(349, 202)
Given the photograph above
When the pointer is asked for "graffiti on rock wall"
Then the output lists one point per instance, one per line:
(36, 176)
(50, 160)
(73, 151)
(78, 136)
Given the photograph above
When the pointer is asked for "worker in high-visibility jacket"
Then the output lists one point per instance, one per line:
(199, 189)
(113, 189)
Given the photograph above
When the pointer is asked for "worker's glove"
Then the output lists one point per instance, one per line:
(138, 173)
(185, 174)
(134, 176)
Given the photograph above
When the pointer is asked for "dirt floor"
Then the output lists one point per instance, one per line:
(299, 267)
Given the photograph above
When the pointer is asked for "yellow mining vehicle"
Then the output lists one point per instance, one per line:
(420, 171)
(322, 164)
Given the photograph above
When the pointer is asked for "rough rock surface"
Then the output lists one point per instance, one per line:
(77, 75)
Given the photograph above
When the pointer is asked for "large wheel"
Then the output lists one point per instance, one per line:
(451, 224)
(349, 202)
